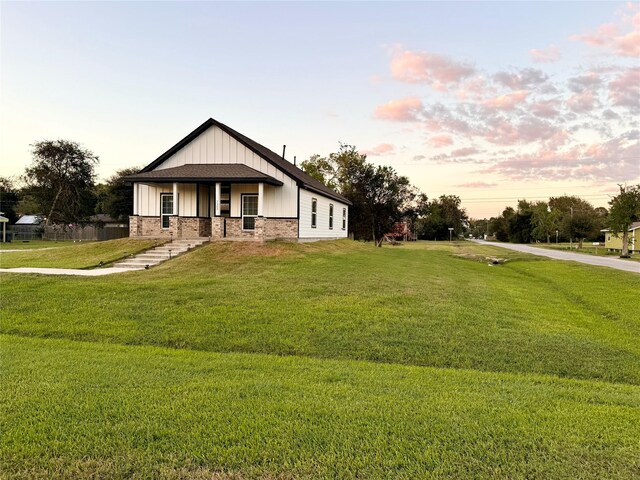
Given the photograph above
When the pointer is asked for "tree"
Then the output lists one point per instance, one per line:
(440, 214)
(625, 209)
(115, 198)
(9, 199)
(61, 180)
(379, 196)
(577, 218)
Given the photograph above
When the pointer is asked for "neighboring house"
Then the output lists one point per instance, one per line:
(218, 183)
(28, 227)
(613, 240)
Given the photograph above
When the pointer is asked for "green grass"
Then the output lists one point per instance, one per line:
(30, 244)
(109, 411)
(74, 255)
(328, 360)
(599, 250)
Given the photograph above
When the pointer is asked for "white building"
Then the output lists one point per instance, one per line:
(218, 183)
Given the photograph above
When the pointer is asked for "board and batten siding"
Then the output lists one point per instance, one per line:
(322, 220)
(217, 146)
(148, 199)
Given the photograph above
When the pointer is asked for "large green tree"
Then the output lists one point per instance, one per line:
(380, 197)
(440, 214)
(61, 180)
(625, 210)
(115, 197)
(9, 199)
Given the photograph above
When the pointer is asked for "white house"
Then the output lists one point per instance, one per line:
(218, 183)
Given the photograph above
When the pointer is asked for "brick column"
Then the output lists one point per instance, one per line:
(175, 226)
(258, 233)
(135, 226)
(217, 228)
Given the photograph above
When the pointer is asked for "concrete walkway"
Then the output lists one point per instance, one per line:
(96, 272)
(617, 263)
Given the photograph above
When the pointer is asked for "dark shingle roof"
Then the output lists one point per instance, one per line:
(303, 179)
(200, 172)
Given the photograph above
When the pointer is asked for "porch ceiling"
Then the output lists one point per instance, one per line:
(205, 173)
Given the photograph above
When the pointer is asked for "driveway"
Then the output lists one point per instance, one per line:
(617, 263)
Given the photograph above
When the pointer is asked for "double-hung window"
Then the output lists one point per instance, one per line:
(314, 213)
(331, 216)
(344, 218)
(249, 211)
(166, 208)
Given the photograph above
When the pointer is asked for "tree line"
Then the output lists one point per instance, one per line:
(381, 198)
(60, 184)
(562, 219)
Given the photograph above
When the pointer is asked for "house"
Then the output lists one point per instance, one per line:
(218, 183)
(613, 240)
(28, 227)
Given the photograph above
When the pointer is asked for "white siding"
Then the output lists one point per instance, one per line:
(322, 220)
(216, 146)
(149, 199)
(236, 196)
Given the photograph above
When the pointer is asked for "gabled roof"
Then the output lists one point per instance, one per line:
(203, 172)
(632, 227)
(303, 179)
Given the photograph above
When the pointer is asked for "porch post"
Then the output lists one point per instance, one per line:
(135, 199)
(175, 198)
(261, 199)
(218, 193)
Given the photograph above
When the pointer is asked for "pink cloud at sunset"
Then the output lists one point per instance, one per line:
(428, 68)
(402, 110)
(616, 37)
(438, 141)
(546, 55)
(508, 101)
(476, 185)
(381, 149)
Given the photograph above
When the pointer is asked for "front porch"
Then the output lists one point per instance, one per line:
(214, 201)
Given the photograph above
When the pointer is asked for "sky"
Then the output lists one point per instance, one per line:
(490, 101)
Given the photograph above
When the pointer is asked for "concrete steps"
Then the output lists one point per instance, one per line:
(162, 253)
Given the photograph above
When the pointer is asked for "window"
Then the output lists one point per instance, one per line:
(314, 213)
(344, 218)
(331, 216)
(249, 211)
(166, 208)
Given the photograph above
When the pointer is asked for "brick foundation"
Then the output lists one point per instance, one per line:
(180, 227)
(191, 227)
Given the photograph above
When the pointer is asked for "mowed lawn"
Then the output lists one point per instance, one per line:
(72, 255)
(327, 360)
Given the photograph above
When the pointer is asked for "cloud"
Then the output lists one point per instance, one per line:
(476, 185)
(545, 108)
(428, 68)
(523, 79)
(465, 152)
(402, 110)
(582, 102)
(508, 101)
(621, 38)
(624, 90)
(546, 55)
(441, 140)
(382, 149)
(591, 80)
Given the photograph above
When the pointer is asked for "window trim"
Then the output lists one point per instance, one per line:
(344, 218)
(331, 216)
(314, 213)
(168, 215)
(242, 214)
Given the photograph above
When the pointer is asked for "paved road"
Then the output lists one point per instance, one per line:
(96, 272)
(626, 265)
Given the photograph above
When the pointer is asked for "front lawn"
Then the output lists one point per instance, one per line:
(325, 360)
(74, 255)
